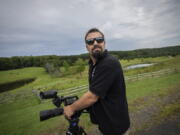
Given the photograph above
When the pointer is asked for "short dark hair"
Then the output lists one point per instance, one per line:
(93, 30)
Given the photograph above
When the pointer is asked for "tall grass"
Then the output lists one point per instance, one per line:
(20, 114)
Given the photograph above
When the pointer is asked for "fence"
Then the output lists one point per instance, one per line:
(81, 89)
(150, 74)
(76, 90)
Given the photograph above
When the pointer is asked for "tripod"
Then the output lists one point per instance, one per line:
(74, 129)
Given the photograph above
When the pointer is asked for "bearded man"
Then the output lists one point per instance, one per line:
(106, 97)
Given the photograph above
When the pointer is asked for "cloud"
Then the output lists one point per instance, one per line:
(39, 25)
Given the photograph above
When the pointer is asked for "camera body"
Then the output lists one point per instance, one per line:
(57, 101)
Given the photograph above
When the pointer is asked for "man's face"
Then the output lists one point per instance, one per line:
(97, 45)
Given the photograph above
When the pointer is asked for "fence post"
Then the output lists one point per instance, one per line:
(175, 70)
(152, 74)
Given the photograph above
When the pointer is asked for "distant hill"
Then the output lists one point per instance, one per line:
(148, 52)
(39, 61)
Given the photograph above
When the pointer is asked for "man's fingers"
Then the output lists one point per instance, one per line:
(68, 112)
(67, 117)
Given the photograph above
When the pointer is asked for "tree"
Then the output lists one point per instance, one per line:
(52, 69)
(80, 66)
(66, 66)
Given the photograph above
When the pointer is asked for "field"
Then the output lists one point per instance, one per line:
(20, 107)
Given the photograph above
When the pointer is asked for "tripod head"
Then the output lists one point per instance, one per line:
(73, 129)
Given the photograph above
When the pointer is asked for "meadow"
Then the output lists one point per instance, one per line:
(20, 107)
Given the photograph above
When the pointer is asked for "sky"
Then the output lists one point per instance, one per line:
(57, 27)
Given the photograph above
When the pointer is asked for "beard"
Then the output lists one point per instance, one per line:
(97, 54)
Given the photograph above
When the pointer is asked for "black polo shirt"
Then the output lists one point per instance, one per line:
(106, 80)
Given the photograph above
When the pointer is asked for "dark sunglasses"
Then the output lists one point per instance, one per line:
(91, 41)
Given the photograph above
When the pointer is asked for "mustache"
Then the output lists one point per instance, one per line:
(96, 46)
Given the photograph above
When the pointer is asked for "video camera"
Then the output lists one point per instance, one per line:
(73, 129)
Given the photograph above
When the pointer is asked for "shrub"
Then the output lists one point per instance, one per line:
(52, 69)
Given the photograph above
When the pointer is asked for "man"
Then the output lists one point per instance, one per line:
(106, 97)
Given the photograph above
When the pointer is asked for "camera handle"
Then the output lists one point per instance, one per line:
(74, 128)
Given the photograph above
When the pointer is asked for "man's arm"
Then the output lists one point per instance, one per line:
(85, 101)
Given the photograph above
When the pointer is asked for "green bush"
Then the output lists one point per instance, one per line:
(52, 69)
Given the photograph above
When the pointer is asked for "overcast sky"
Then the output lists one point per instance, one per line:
(57, 27)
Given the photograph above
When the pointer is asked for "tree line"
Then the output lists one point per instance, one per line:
(150, 52)
(7, 63)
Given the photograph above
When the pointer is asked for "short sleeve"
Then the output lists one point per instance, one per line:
(102, 80)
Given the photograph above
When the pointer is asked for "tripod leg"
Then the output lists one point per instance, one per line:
(69, 133)
(82, 132)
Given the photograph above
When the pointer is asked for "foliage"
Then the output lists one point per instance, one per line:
(66, 66)
(40, 61)
(80, 66)
(52, 69)
(150, 52)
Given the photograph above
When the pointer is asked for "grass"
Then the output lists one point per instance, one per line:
(151, 86)
(43, 80)
(159, 108)
(160, 63)
(19, 74)
(20, 114)
(130, 62)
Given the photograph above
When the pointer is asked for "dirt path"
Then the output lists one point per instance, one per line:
(169, 127)
(155, 115)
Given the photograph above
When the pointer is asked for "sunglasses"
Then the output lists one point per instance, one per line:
(91, 41)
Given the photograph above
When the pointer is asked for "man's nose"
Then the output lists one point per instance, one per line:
(95, 42)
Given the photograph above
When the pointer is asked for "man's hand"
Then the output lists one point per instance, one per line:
(85, 101)
(68, 112)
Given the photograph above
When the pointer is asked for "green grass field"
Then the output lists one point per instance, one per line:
(19, 113)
